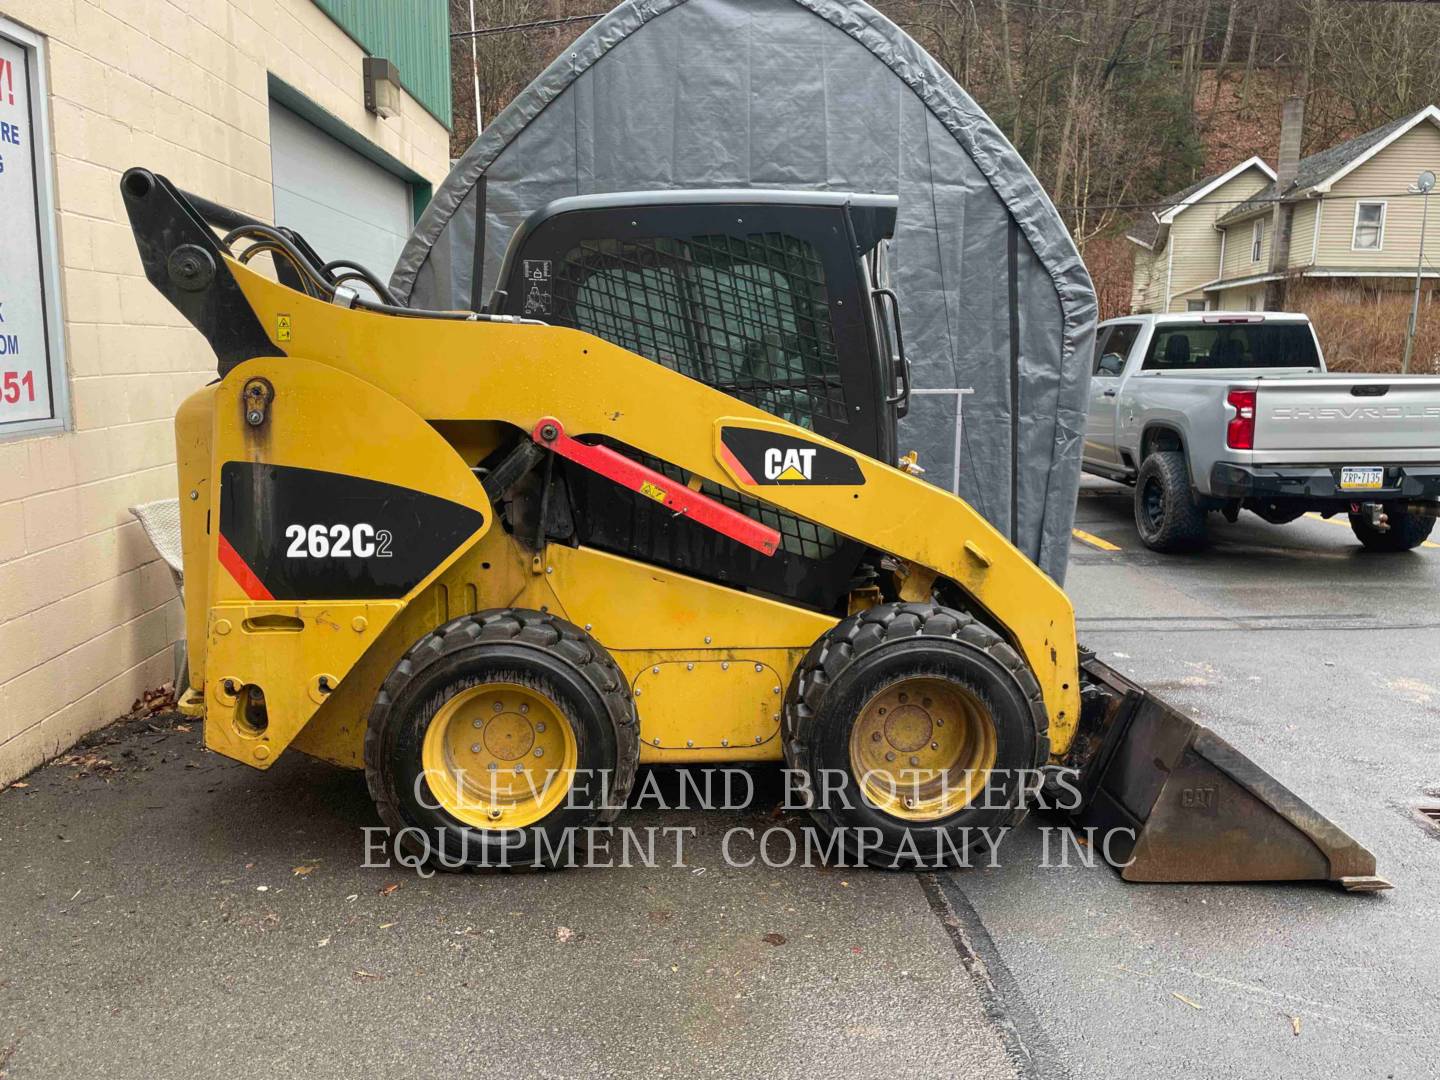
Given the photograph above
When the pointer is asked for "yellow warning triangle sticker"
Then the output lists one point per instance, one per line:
(791, 473)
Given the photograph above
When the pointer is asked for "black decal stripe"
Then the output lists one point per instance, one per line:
(262, 505)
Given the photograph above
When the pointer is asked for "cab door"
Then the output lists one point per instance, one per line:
(1113, 345)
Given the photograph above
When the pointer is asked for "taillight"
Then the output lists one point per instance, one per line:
(1240, 434)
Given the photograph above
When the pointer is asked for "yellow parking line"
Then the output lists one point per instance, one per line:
(1093, 540)
(1344, 520)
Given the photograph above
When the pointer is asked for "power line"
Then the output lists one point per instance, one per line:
(513, 27)
(1170, 203)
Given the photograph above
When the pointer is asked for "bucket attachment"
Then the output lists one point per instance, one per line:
(1190, 807)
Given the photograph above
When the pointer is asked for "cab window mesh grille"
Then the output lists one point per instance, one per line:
(798, 536)
(747, 315)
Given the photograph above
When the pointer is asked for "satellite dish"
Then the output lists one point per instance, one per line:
(1426, 182)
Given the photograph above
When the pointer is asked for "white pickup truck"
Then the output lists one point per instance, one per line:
(1235, 411)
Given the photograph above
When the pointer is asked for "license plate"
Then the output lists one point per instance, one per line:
(1362, 477)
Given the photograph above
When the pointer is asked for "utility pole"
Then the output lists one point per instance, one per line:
(1422, 187)
(475, 68)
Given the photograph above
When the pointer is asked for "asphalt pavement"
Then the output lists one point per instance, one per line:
(169, 912)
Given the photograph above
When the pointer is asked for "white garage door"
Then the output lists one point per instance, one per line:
(344, 204)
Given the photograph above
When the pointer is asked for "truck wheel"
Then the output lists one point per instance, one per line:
(914, 727)
(1165, 514)
(497, 734)
(1406, 531)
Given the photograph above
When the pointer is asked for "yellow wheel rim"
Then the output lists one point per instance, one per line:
(922, 748)
(499, 756)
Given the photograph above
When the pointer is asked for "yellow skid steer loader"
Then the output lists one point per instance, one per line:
(499, 564)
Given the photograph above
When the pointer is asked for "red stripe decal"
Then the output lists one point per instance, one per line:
(671, 494)
(240, 570)
(741, 473)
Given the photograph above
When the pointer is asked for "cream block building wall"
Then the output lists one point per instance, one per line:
(87, 611)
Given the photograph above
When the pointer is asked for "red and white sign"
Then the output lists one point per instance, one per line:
(24, 334)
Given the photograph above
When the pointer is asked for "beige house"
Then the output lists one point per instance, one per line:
(1346, 214)
(258, 104)
(1178, 247)
(1351, 217)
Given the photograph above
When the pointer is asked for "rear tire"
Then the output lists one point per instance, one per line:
(973, 676)
(511, 669)
(1166, 517)
(1407, 531)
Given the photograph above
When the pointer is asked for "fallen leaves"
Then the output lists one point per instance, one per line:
(87, 764)
(388, 889)
(564, 934)
(773, 939)
(362, 976)
(302, 871)
(1295, 1024)
(1181, 997)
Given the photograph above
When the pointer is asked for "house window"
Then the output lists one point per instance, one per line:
(1369, 234)
(1194, 305)
(1257, 239)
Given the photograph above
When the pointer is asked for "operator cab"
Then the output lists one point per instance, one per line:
(776, 298)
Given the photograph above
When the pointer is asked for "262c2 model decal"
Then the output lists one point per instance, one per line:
(338, 541)
(306, 534)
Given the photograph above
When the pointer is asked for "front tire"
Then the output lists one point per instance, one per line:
(1165, 515)
(1407, 531)
(496, 737)
(865, 724)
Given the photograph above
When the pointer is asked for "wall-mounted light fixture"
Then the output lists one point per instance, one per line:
(382, 87)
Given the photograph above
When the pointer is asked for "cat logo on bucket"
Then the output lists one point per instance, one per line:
(789, 464)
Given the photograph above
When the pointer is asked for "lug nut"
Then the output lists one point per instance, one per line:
(474, 747)
(524, 708)
(890, 755)
(934, 746)
(914, 761)
(904, 698)
(479, 723)
(493, 766)
(925, 702)
(540, 726)
(539, 752)
(497, 706)
(875, 737)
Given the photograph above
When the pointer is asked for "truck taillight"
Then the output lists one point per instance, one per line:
(1240, 434)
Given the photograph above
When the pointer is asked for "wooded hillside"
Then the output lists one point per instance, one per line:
(1114, 103)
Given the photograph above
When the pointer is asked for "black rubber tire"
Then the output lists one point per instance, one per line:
(1177, 524)
(542, 651)
(1407, 531)
(865, 652)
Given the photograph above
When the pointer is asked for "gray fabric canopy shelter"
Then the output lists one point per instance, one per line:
(997, 308)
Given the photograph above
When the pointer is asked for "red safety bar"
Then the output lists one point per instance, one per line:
(670, 494)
